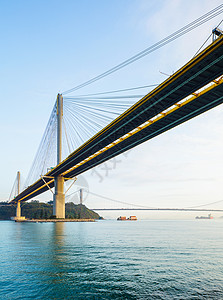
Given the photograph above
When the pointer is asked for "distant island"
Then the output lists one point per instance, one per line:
(40, 210)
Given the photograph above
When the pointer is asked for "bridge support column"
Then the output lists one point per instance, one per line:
(18, 217)
(81, 196)
(59, 198)
(18, 210)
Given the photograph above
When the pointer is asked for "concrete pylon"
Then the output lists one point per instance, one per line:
(18, 210)
(18, 216)
(81, 196)
(18, 207)
(59, 196)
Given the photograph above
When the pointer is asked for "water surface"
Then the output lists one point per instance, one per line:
(112, 260)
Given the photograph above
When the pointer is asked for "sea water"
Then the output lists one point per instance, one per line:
(144, 259)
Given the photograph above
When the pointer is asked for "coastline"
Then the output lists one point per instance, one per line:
(55, 220)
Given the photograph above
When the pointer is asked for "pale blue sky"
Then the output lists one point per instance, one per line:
(51, 46)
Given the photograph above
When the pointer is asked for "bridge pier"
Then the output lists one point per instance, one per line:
(18, 216)
(59, 198)
(81, 196)
(59, 195)
(18, 210)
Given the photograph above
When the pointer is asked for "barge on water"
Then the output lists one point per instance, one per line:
(131, 218)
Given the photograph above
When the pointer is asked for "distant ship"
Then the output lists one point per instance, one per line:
(208, 217)
(131, 218)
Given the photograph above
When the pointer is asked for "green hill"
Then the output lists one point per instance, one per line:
(38, 210)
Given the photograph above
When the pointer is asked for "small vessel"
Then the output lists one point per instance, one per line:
(202, 217)
(121, 218)
(131, 218)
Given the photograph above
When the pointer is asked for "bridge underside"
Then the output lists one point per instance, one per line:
(201, 70)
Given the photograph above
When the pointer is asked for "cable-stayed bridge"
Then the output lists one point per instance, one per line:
(193, 89)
